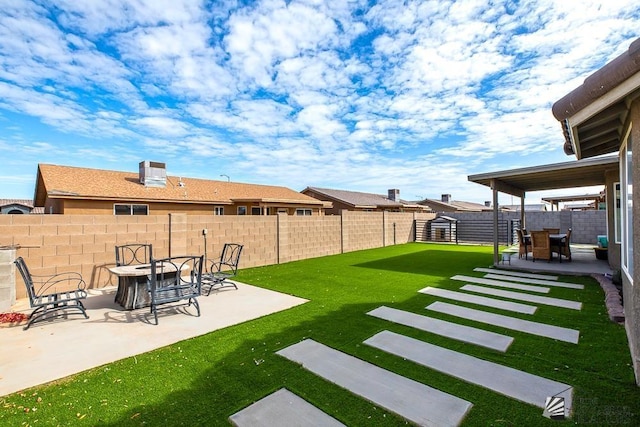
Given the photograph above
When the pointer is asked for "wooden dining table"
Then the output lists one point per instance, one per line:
(133, 284)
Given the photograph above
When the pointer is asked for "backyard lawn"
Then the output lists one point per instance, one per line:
(204, 380)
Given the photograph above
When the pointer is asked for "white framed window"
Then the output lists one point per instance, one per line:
(303, 212)
(626, 179)
(125, 209)
(218, 210)
(242, 210)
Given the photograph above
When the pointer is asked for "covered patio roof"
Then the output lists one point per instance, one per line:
(517, 182)
(580, 173)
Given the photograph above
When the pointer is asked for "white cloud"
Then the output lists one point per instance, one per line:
(346, 94)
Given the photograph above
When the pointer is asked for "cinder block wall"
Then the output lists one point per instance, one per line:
(53, 244)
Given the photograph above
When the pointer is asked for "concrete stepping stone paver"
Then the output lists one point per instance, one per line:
(515, 273)
(538, 299)
(476, 299)
(501, 284)
(534, 328)
(282, 408)
(502, 379)
(535, 281)
(410, 399)
(455, 331)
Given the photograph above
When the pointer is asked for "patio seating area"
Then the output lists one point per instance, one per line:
(583, 261)
(113, 333)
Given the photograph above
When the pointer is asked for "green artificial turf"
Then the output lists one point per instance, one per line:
(202, 381)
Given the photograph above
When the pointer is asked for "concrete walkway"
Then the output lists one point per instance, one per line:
(534, 281)
(410, 399)
(519, 296)
(283, 408)
(49, 351)
(502, 379)
(513, 323)
(451, 330)
(479, 300)
(501, 284)
(515, 273)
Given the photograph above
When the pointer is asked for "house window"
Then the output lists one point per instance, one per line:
(130, 210)
(303, 212)
(617, 215)
(626, 175)
(218, 210)
(256, 210)
(242, 210)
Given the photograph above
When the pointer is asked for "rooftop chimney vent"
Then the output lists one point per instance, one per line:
(487, 203)
(153, 174)
(446, 198)
(393, 194)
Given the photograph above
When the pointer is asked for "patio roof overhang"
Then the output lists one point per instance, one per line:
(580, 173)
(595, 115)
(517, 182)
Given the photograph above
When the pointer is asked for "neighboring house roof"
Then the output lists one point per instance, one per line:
(593, 114)
(26, 203)
(461, 206)
(22, 202)
(68, 182)
(361, 200)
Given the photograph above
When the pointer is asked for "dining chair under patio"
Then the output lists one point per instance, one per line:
(540, 245)
(565, 249)
(524, 243)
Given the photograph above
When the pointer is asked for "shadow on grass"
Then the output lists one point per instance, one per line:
(427, 262)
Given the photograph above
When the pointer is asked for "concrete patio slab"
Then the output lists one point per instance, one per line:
(476, 299)
(502, 379)
(500, 284)
(535, 281)
(112, 333)
(414, 401)
(534, 328)
(538, 299)
(451, 330)
(516, 273)
(282, 408)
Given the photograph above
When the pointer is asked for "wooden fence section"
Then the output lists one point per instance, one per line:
(85, 243)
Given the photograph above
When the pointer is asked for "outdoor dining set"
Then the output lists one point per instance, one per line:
(143, 281)
(542, 244)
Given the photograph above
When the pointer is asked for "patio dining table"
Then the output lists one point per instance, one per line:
(133, 284)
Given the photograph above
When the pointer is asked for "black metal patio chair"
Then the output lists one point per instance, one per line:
(222, 269)
(51, 295)
(175, 281)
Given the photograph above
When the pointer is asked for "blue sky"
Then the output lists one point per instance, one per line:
(354, 95)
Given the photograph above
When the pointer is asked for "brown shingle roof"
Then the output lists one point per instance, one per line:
(83, 183)
(362, 200)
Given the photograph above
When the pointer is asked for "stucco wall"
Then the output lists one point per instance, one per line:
(632, 290)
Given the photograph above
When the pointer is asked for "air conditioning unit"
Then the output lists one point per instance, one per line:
(153, 174)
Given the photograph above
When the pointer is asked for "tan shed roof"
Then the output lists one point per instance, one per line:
(97, 184)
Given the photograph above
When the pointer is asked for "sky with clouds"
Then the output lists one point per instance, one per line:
(359, 95)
